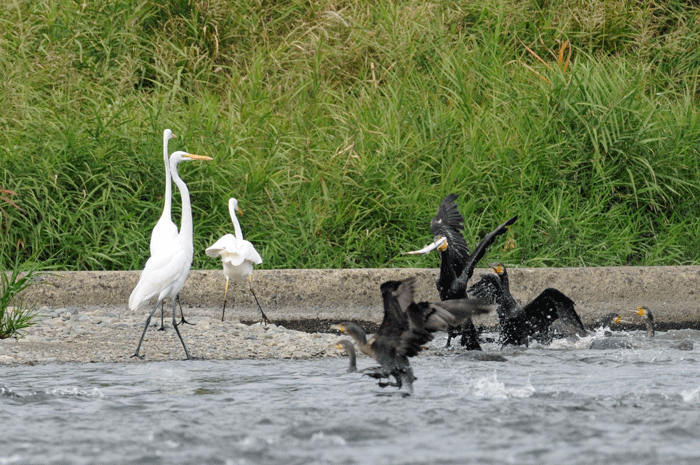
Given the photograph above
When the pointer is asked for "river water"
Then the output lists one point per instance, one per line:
(562, 404)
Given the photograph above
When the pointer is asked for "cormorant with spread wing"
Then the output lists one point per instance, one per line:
(406, 326)
(457, 263)
(521, 323)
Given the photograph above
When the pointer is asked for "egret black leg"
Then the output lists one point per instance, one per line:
(264, 317)
(162, 326)
(148, 321)
(178, 332)
(225, 293)
(182, 315)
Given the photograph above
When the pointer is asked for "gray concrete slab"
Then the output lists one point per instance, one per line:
(669, 291)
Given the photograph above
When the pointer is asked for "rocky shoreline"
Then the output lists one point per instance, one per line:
(100, 335)
(84, 317)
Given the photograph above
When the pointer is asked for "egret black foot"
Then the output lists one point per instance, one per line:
(140, 357)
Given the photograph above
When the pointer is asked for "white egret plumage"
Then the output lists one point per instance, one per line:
(165, 229)
(238, 257)
(165, 272)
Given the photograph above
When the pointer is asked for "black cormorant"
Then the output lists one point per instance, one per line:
(406, 326)
(518, 324)
(457, 263)
(648, 319)
(349, 348)
(608, 320)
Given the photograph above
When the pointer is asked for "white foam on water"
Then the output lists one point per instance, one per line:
(74, 391)
(14, 458)
(492, 388)
(692, 395)
(327, 439)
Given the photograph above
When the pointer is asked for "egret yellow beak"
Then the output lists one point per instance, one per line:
(640, 311)
(338, 328)
(192, 156)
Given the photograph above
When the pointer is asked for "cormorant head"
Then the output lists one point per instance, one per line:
(648, 318)
(498, 268)
(611, 319)
(645, 313)
(352, 330)
(442, 243)
(387, 287)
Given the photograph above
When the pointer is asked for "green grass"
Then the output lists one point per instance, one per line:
(14, 314)
(340, 126)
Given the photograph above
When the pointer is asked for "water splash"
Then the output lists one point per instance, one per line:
(692, 395)
(492, 388)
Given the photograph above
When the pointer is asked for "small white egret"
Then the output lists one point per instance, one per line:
(238, 257)
(165, 273)
(165, 230)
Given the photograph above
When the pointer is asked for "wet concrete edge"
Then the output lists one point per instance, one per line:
(353, 294)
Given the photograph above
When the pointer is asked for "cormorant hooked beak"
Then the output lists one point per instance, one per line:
(497, 268)
(439, 243)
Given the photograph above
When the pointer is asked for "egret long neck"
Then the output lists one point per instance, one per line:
(236, 224)
(168, 183)
(186, 225)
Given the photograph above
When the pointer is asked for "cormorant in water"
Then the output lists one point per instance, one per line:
(520, 323)
(648, 319)
(609, 341)
(406, 326)
(457, 263)
(349, 348)
(608, 320)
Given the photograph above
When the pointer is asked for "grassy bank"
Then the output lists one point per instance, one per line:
(340, 126)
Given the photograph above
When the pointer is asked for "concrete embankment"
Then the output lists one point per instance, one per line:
(670, 292)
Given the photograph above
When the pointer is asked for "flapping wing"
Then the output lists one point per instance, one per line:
(566, 311)
(394, 297)
(416, 335)
(227, 243)
(550, 305)
(449, 222)
(488, 289)
(479, 252)
(438, 316)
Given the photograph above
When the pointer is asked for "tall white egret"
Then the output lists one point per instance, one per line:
(165, 273)
(165, 230)
(238, 256)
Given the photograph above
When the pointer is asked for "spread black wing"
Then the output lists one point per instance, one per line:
(488, 289)
(397, 297)
(460, 281)
(449, 222)
(549, 306)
